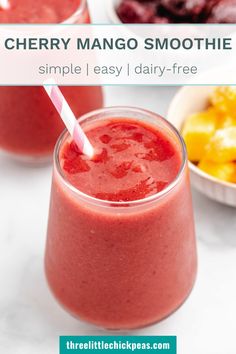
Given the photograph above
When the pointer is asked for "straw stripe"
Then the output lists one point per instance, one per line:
(68, 117)
(78, 137)
(57, 98)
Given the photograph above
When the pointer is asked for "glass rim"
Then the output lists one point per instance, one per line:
(121, 204)
(78, 12)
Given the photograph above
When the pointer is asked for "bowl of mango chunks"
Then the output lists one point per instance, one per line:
(206, 118)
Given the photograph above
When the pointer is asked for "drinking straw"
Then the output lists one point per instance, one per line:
(68, 117)
(4, 4)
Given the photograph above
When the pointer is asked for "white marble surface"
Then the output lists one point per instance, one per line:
(30, 319)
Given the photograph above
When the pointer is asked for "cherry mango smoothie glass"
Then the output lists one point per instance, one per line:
(121, 250)
(29, 124)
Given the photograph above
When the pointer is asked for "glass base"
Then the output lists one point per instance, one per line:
(118, 331)
(122, 330)
(29, 160)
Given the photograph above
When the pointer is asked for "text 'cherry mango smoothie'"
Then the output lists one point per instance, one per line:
(121, 250)
(29, 125)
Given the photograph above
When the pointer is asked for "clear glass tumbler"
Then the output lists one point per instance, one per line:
(121, 265)
(29, 124)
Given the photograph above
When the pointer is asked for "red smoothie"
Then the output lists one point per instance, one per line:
(43, 11)
(29, 124)
(121, 247)
(132, 162)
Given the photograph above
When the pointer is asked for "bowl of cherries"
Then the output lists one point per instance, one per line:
(172, 11)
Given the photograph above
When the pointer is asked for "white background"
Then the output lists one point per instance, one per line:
(31, 320)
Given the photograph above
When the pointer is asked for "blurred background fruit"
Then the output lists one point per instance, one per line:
(210, 135)
(177, 11)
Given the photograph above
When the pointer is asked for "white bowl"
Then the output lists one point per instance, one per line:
(190, 99)
(111, 6)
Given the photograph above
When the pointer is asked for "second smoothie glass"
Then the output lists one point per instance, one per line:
(121, 265)
(29, 124)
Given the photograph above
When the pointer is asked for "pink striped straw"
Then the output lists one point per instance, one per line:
(4, 4)
(68, 117)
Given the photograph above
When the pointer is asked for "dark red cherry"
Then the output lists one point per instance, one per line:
(184, 8)
(132, 11)
(223, 12)
(159, 19)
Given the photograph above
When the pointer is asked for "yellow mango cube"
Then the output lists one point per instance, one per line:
(226, 121)
(222, 146)
(223, 171)
(197, 131)
(224, 99)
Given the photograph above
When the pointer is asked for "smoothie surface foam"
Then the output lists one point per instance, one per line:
(133, 161)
